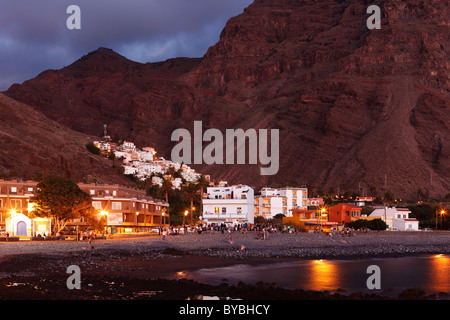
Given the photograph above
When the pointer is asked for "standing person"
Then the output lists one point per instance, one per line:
(164, 234)
(91, 237)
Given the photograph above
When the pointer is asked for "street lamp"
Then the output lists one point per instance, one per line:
(137, 221)
(185, 215)
(441, 212)
(322, 214)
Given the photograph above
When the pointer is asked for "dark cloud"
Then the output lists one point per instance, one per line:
(34, 36)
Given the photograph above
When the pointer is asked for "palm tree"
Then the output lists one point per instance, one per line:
(202, 182)
(166, 188)
(189, 193)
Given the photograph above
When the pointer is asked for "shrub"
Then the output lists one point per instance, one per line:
(92, 148)
(375, 224)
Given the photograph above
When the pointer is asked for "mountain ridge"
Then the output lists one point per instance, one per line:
(356, 108)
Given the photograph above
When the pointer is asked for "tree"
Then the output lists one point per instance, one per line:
(92, 148)
(166, 189)
(62, 200)
(202, 182)
(190, 193)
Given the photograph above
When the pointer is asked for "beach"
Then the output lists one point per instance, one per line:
(146, 266)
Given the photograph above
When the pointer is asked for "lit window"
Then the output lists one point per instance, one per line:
(97, 205)
(92, 192)
(116, 205)
(16, 204)
(13, 189)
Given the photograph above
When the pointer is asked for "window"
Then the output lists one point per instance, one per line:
(116, 205)
(92, 192)
(224, 210)
(13, 189)
(30, 188)
(216, 209)
(239, 210)
(347, 213)
(97, 205)
(114, 193)
(16, 204)
(1, 203)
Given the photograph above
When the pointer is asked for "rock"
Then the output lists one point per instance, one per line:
(365, 104)
(412, 293)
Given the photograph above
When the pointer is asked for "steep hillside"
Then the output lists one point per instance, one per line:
(356, 107)
(33, 145)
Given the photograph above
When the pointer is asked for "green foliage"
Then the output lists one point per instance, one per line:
(60, 199)
(375, 224)
(92, 148)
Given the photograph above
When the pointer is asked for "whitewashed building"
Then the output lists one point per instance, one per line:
(232, 205)
(397, 218)
(280, 201)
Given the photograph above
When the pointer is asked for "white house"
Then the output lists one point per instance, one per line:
(396, 218)
(129, 146)
(145, 155)
(280, 201)
(130, 169)
(232, 205)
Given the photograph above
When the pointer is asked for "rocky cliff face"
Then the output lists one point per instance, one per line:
(364, 108)
(33, 145)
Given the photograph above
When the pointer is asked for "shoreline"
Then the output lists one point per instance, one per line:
(145, 264)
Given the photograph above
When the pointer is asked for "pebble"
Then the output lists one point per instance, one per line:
(302, 245)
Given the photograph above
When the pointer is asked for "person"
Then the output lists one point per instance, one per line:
(91, 237)
(164, 234)
(7, 236)
(230, 240)
(242, 248)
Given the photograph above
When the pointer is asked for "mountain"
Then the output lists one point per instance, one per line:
(33, 145)
(356, 108)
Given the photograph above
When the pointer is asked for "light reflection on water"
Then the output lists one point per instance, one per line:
(430, 273)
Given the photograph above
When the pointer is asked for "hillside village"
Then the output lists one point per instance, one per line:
(143, 163)
(241, 204)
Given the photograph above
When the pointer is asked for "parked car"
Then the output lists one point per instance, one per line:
(427, 229)
(394, 229)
